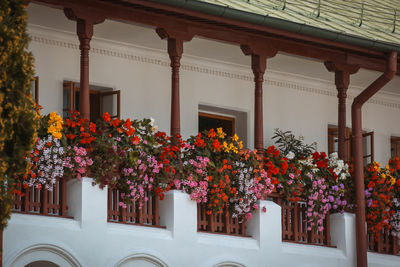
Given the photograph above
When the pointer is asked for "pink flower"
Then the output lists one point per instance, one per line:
(264, 209)
(248, 216)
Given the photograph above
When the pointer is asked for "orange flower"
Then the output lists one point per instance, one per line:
(92, 127)
(115, 122)
(212, 133)
(106, 117)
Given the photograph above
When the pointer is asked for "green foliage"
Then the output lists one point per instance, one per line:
(17, 119)
(287, 142)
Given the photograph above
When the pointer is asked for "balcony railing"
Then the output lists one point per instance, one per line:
(42, 202)
(222, 223)
(294, 224)
(385, 243)
(293, 217)
(147, 215)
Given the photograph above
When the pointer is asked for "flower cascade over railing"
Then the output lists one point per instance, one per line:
(309, 176)
(139, 161)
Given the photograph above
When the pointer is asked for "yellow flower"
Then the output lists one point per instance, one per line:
(383, 175)
(57, 135)
(235, 137)
(392, 180)
(240, 144)
(221, 133)
(55, 124)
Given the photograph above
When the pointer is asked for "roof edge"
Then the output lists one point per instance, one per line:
(294, 27)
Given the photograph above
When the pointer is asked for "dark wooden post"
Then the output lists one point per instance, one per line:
(85, 20)
(342, 81)
(175, 49)
(358, 176)
(259, 55)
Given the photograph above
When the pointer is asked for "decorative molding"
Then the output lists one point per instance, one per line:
(44, 35)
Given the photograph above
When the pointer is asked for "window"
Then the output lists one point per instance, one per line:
(368, 143)
(35, 89)
(208, 121)
(231, 121)
(102, 99)
(395, 146)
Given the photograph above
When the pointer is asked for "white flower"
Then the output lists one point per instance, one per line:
(290, 155)
(151, 121)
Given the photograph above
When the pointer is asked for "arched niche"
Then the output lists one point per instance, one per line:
(142, 260)
(45, 254)
(229, 264)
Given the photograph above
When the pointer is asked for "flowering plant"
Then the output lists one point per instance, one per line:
(324, 189)
(76, 162)
(46, 163)
(379, 185)
(394, 168)
(283, 172)
(217, 171)
(308, 176)
(78, 131)
(133, 164)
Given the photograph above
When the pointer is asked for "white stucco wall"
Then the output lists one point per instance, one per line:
(291, 102)
(88, 240)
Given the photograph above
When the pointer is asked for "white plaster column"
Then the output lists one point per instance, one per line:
(179, 214)
(87, 203)
(343, 235)
(265, 227)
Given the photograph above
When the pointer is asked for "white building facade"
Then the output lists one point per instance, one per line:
(299, 95)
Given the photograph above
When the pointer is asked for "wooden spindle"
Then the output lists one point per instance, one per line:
(45, 200)
(156, 217)
(295, 221)
(63, 196)
(328, 231)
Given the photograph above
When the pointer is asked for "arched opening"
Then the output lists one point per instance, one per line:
(42, 264)
(44, 255)
(142, 260)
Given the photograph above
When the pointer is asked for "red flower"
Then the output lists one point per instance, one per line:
(106, 117)
(92, 127)
(115, 122)
(216, 145)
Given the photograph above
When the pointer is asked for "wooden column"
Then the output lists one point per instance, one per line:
(85, 20)
(259, 55)
(342, 81)
(175, 41)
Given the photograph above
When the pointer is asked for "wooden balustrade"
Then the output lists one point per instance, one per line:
(294, 224)
(219, 223)
(385, 243)
(147, 215)
(43, 202)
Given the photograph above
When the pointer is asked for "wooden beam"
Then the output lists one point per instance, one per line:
(228, 30)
